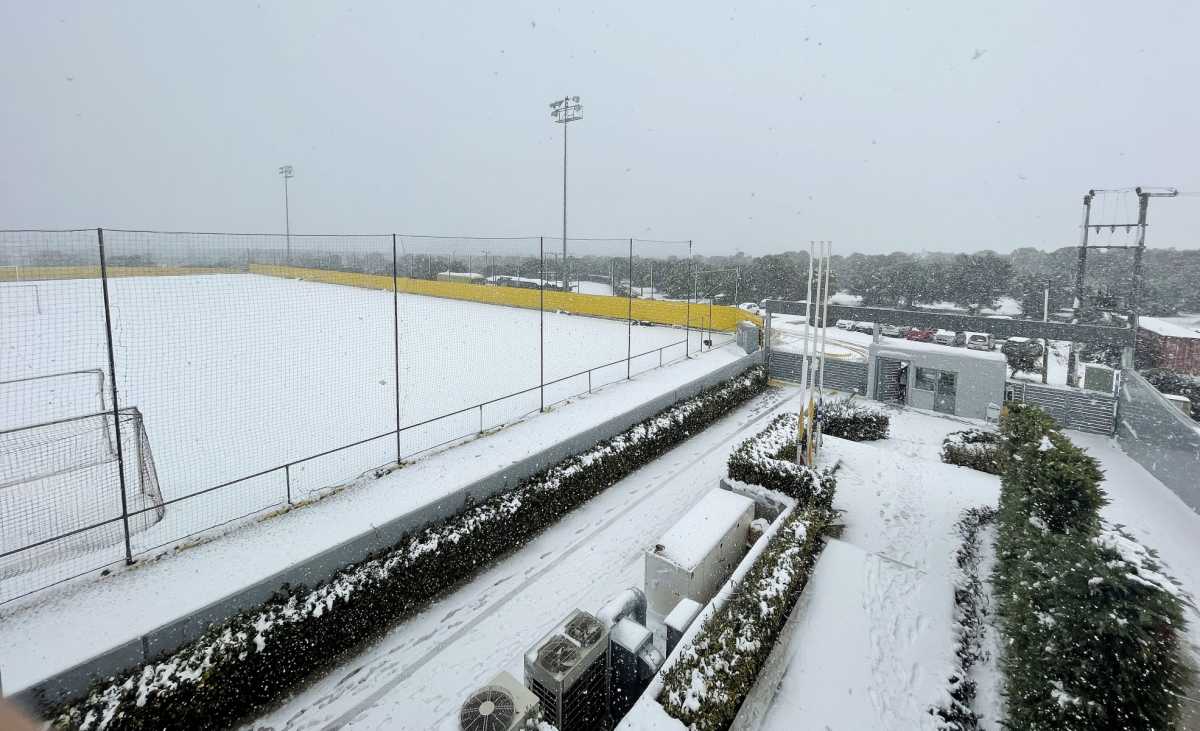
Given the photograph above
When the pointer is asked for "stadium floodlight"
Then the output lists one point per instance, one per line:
(564, 111)
(285, 171)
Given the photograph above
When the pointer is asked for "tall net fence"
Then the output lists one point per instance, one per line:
(156, 385)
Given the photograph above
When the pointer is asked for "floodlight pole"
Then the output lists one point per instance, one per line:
(286, 172)
(564, 111)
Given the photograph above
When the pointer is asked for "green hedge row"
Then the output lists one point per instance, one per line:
(971, 607)
(1092, 627)
(244, 665)
(707, 684)
(974, 448)
(767, 459)
(846, 419)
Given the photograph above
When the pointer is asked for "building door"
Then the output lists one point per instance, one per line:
(887, 380)
(943, 399)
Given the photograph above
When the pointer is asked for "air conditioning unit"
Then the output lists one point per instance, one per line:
(501, 705)
(567, 671)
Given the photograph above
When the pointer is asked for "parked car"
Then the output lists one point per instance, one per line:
(944, 337)
(845, 324)
(749, 307)
(979, 341)
(920, 334)
(892, 331)
(863, 327)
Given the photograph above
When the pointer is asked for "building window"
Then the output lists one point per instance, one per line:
(927, 379)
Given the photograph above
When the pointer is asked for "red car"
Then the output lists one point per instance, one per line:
(923, 335)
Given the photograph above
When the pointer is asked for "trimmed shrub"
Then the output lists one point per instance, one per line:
(857, 422)
(245, 664)
(706, 686)
(767, 459)
(971, 607)
(1091, 624)
(974, 448)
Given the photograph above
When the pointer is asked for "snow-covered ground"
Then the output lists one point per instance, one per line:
(236, 374)
(875, 642)
(52, 630)
(417, 675)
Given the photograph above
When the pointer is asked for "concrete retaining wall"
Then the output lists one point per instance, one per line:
(73, 682)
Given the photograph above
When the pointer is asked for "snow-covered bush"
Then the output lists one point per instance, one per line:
(249, 661)
(1092, 626)
(1055, 481)
(974, 448)
(766, 459)
(857, 422)
(971, 607)
(705, 687)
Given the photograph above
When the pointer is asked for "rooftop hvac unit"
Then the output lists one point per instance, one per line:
(501, 705)
(628, 672)
(567, 671)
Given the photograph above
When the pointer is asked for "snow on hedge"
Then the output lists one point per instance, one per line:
(261, 652)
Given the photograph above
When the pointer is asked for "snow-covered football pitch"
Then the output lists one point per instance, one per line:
(237, 374)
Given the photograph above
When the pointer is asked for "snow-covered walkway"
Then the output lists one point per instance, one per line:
(63, 626)
(875, 642)
(417, 676)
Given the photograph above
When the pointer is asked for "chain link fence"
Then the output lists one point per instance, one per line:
(156, 385)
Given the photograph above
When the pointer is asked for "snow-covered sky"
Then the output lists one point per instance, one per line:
(754, 126)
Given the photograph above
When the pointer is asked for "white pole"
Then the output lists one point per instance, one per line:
(817, 344)
(800, 418)
(825, 314)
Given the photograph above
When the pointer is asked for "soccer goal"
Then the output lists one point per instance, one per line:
(60, 476)
(19, 299)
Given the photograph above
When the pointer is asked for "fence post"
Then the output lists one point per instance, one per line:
(287, 481)
(396, 344)
(629, 318)
(687, 319)
(542, 323)
(480, 418)
(112, 372)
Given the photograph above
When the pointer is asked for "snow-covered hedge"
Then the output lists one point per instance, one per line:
(974, 448)
(1091, 625)
(857, 422)
(251, 660)
(712, 675)
(971, 608)
(767, 459)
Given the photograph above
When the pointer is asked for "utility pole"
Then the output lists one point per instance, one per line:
(564, 111)
(1080, 270)
(286, 172)
(1046, 341)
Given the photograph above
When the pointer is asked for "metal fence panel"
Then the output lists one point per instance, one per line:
(850, 376)
(1087, 411)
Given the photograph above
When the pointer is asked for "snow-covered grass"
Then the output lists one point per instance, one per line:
(245, 663)
(235, 374)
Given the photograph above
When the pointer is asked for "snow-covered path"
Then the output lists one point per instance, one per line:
(417, 675)
(876, 642)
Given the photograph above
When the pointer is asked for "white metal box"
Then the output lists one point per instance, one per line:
(699, 553)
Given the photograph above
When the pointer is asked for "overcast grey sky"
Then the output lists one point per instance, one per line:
(933, 126)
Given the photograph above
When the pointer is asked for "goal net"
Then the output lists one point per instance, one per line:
(60, 488)
(19, 300)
